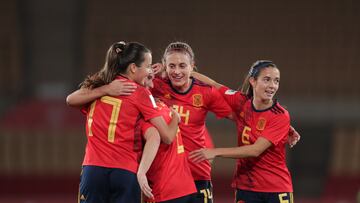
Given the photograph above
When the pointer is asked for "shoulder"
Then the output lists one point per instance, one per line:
(277, 110)
(199, 83)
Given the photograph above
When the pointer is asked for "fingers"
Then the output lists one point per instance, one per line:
(157, 67)
(197, 156)
(147, 190)
(144, 185)
(175, 113)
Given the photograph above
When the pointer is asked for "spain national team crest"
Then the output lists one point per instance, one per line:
(167, 96)
(197, 100)
(261, 124)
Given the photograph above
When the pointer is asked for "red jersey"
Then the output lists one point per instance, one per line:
(169, 175)
(268, 172)
(110, 129)
(193, 106)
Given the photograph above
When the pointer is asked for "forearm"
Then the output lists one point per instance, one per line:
(167, 131)
(150, 149)
(237, 152)
(205, 79)
(83, 96)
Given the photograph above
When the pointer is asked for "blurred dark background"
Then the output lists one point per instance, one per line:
(48, 47)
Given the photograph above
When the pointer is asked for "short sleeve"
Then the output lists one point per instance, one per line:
(233, 98)
(277, 129)
(144, 126)
(218, 105)
(146, 104)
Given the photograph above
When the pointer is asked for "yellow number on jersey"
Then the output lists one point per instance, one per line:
(116, 104)
(282, 200)
(245, 136)
(180, 110)
(180, 146)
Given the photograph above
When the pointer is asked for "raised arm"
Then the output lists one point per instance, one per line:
(206, 79)
(167, 131)
(84, 96)
(151, 147)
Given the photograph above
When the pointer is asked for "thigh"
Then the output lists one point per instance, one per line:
(93, 185)
(244, 196)
(204, 191)
(124, 187)
(280, 197)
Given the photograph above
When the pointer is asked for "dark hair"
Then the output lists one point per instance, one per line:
(181, 47)
(254, 72)
(118, 58)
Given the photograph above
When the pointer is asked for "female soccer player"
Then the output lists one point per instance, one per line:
(113, 149)
(263, 127)
(169, 176)
(193, 100)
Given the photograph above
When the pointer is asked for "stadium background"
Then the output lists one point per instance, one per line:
(48, 47)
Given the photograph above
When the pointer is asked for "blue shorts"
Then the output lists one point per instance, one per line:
(184, 199)
(204, 191)
(244, 196)
(103, 185)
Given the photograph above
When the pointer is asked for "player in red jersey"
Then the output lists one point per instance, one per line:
(193, 100)
(263, 127)
(113, 149)
(169, 175)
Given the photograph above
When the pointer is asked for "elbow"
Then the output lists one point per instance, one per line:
(71, 102)
(68, 100)
(167, 139)
(155, 139)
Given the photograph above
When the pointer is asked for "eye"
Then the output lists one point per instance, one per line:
(183, 65)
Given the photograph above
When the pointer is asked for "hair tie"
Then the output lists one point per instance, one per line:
(118, 50)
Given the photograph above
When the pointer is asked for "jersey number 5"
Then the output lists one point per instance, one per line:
(116, 105)
(245, 136)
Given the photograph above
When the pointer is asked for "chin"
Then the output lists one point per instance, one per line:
(177, 84)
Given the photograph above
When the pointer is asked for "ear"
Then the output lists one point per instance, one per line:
(132, 68)
(192, 66)
(252, 81)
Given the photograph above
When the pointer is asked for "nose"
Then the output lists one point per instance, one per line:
(272, 84)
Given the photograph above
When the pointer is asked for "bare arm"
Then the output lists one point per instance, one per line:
(206, 79)
(83, 96)
(253, 150)
(167, 132)
(150, 149)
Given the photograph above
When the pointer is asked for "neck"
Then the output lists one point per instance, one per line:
(261, 104)
(185, 87)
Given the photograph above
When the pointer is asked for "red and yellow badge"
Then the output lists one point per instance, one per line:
(242, 114)
(197, 100)
(167, 96)
(261, 124)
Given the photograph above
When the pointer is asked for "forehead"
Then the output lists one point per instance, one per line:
(147, 58)
(270, 72)
(177, 57)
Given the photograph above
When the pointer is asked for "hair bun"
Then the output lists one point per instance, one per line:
(119, 46)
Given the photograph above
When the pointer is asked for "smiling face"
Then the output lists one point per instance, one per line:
(178, 67)
(266, 84)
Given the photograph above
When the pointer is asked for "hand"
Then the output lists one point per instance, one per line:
(200, 155)
(293, 137)
(157, 68)
(120, 87)
(144, 185)
(175, 113)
